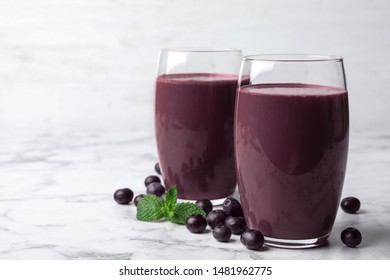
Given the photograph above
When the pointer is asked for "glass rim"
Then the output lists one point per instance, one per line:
(200, 50)
(293, 57)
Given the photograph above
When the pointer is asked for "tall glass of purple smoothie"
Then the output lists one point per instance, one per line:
(194, 118)
(291, 146)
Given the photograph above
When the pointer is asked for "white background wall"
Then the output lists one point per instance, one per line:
(93, 62)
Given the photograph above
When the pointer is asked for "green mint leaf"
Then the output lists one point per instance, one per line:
(182, 211)
(150, 208)
(171, 198)
(167, 212)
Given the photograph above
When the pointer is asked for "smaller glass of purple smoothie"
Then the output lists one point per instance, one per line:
(194, 118)
(291, 145)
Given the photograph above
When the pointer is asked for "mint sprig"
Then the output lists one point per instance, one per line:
(153, 208)
(150, 208)
(183, 210)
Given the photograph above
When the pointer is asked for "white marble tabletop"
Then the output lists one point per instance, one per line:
(56, 200)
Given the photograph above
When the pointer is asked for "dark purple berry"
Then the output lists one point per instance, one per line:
(157, 168)
(216, 217)
(252, 239)
(232, 207)
(138, 198)
(196, 223)
(205, 204)
(351, 237)
(222, 233)
(152, 179)
(123, 196)
(155, 188)
(350, 204)
(237, 225)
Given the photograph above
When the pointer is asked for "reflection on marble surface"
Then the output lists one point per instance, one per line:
(56, 200)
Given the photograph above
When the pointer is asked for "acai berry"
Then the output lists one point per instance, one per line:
(156, 189)
(152, 179)
(216, 217)
(232, 207)
(196, 223)
(252, 239)
(222, 233)
(123, 196)
(350, 204)
(205, 204)
(351, 237)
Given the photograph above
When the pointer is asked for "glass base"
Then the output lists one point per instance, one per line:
(215, 202)
(295, 243)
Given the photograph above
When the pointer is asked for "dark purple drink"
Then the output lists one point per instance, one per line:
(194, 130)
(291, 152)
